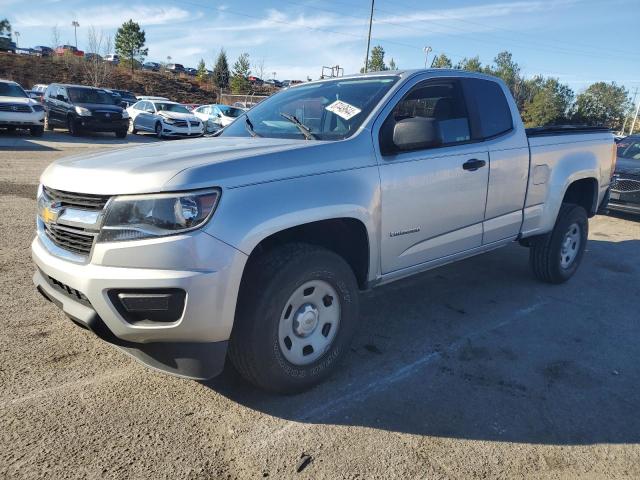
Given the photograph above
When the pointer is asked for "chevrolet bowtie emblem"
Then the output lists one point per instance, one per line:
(49, 215)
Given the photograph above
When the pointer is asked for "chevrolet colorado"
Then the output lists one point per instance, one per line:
(254, 245)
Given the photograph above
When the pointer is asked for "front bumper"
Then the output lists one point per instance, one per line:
(169, 130)
(19, 119)
(98, 125)
(209, 271)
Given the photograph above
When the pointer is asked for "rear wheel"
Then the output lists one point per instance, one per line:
(121, 133)
(297, 313)
(555, 257)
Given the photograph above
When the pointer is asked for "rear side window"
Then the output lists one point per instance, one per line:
(493, 111)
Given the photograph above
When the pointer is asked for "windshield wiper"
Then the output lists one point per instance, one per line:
(249, 126)
(306, 131)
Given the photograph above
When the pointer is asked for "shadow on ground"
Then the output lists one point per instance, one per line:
(59, 139)
(480, 350)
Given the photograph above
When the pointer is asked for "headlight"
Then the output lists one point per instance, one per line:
(168, 120)
(134, 217)
(83, 112)
(37, 108)
(125, 114)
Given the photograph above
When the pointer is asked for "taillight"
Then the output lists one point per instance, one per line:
(614, 157)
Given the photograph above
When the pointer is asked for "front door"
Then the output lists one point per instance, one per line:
(433, 197)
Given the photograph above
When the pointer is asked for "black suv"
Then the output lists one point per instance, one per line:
(80, 108)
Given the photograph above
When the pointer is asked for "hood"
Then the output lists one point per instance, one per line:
(18, 100)
(628, 165)
(100, 106)
(148, 168)
(177, 115)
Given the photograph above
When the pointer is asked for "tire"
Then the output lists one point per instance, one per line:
(36, 131)
(74, 131)
(555, 257)
(11, 129)
(265, 317)
(121, 133)
(132, 128)
(158, 130)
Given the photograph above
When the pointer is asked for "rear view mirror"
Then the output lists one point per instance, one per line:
(415, 133)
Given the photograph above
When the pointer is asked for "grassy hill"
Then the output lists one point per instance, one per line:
(28, 71)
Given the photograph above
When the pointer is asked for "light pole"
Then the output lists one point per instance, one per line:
(426, 51)
(366, 58)
(75, 26)
(17, 34)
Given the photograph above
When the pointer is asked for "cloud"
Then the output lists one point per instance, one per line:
(111, 16)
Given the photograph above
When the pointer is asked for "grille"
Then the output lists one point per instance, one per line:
(73, 239)
(626, 185)
(194, 123)
(66, 289)
(180, 123)
(103, 116)
(76, 200)
(13, 107)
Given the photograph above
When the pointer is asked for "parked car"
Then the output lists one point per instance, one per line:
(191, 71)
(256, 81)
(92, 57)
(244, 105)
(84, 109)
(625, 189)
(274, 83)
(151, 66)
(151, 97)
(126, 97)
(175, 67)
(216, 117)
(35, 95)
(43, 50)
(112, 58)
(27, 51)
(68, 50)
(17, 110)
(164, 118)
(260, 240)
(39, 87)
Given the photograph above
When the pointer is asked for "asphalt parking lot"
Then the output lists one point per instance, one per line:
(474, 370)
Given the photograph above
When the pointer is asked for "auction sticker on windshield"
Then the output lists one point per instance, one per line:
(343, 109)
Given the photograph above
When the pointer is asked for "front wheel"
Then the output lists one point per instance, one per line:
(36, 131)
(72, 126)
(121, 133)
(159, 130)
(297, 313)
(555, 257)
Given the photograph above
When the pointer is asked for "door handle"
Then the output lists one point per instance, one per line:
(473, 164)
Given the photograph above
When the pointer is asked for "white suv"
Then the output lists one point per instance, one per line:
(17, 110)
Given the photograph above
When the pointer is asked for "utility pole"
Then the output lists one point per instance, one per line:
(426, 51)
(75, 26)
(366, 58)
(17, 35)
(624, 125)
(635, 117)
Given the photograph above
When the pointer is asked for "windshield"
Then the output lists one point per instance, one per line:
(89, 95)
(331, 110)
(170, 107)
(11, 90)
(629, 148)
(230, 111)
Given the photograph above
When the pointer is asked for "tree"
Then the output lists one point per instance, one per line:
(258, 68)
(550, 103)
(221, 71)
(130, 40)
(441, 61)
(376, 61)
(470, 64)
(5, 28)
(602, 104)
(392, 65)
(241, 70)
(508, 70)
(202, 73)
(96, 70)
(55, 37)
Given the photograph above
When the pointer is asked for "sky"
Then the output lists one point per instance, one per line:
(577, 41)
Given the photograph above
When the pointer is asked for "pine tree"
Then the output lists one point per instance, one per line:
(202, 73)
(129, 42)
(221, 71)
(241, 70)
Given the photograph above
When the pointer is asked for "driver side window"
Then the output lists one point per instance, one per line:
(432, 114)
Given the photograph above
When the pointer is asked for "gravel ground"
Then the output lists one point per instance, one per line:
(474, 370)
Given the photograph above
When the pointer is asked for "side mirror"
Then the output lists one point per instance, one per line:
(415, 133)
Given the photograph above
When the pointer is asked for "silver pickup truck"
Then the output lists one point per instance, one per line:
(255, 244)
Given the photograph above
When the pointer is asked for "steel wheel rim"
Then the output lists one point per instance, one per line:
(570, 246)
(309, 322)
